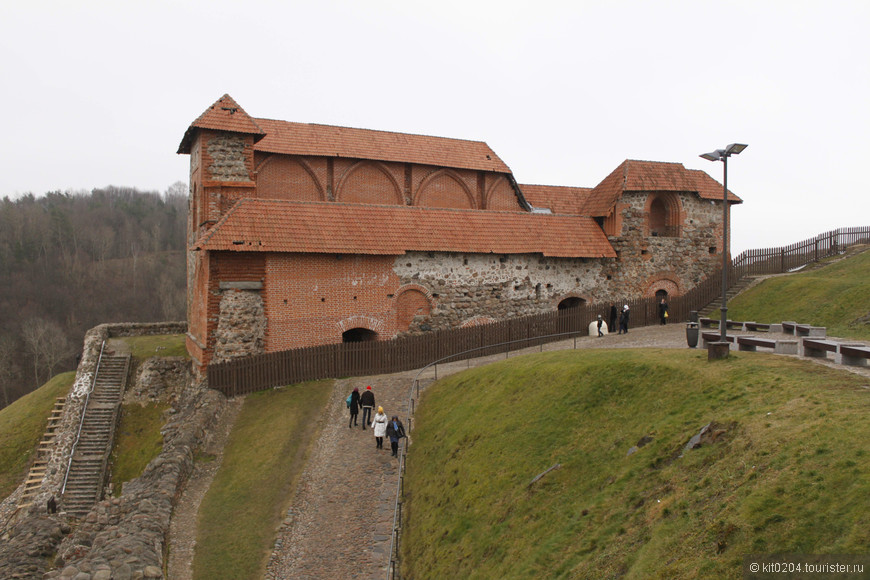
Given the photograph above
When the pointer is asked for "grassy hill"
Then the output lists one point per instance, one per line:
(785, 470)
(835, 295)
(21, 426)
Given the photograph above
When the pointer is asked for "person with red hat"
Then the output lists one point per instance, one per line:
(367, 401)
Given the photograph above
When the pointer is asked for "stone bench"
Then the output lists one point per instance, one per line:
(708, 337)
(755, 326)
(706, 322)
(807, 330)
(788, 327)
(751, 343)
(817, 347)
(854, 355)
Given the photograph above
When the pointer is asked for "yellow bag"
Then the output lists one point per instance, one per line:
(666, 313)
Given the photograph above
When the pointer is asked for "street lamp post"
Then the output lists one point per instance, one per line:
(723, 155)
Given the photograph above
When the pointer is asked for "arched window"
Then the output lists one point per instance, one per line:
(358, 335)
(664, 215)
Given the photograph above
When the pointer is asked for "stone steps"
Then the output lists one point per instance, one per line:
(87, 472)
(712, 309)
(33, 481)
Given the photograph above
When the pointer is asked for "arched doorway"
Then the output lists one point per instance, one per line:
(358, 335)
(661, 293)
(571, 302)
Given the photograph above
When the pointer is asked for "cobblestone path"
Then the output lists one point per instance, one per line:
(340, 523)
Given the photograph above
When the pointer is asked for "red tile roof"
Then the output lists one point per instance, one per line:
(224, 115)
(326, 227)
(558, 199)
(329, 141)
(634, 175)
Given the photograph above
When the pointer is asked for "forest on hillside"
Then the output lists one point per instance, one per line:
(72, 260)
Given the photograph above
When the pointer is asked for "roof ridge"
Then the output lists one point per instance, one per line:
(383, 131)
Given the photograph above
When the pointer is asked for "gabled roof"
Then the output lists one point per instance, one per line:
(557, 198)
(329, 141)
(254, 225)
(634, 175)
(224, 115)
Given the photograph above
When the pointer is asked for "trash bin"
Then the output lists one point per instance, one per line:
(693, 316)
(692, 334)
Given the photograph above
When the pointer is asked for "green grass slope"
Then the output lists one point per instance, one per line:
(788, 470)
(22, 424)
(836, 296)
(262, 462)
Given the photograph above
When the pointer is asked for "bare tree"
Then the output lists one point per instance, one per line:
(46, 343)
(7, 367)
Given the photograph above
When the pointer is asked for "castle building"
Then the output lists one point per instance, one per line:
(304, 234)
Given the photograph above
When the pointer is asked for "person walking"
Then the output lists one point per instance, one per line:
(367, 400)
(379, 424)
(354, 407)
(395, 431)
(600, 322)
(663, 311)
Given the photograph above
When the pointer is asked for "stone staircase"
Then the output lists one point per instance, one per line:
(36, 474)
(87, 471)
(712, 309)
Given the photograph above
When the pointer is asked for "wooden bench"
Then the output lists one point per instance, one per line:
(716, 337)
(755, 326)
(733, 325)
(751, 343)
(706, 322)
(817, 347)
(807, 330)
(853, 355)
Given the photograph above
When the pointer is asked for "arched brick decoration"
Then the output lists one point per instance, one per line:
(411, 300)
(367, 322)
(369, 182)
(280, 177)
(444, 189)
(477, 321)
(664, 214)
(501, 196)
(668, 282)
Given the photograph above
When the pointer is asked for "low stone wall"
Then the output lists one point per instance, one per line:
(32, 537)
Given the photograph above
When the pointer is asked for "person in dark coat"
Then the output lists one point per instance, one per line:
(623, 320)
(600, 323)
(395, 431)
(354, 407)
(663, 311)
(367, 400)
(612, 322)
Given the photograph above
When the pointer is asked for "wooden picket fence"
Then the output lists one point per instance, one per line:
(269, 370)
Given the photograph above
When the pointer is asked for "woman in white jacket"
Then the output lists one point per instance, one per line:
(379, 424)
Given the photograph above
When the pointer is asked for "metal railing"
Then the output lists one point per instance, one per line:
(82, 418)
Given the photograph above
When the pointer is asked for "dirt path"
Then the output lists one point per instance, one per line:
(182, 526)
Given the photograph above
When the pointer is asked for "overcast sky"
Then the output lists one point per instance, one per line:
(99, 93)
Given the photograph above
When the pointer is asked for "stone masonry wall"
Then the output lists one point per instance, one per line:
(686, 260)
(470, 286)
(227, 154)
(241, 327)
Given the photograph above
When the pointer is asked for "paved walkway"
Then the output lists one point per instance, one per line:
(340, 523)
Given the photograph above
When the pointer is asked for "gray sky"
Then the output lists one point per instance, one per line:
(99, 93)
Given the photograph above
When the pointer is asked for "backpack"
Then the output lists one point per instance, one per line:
(348, 400)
